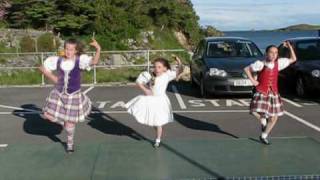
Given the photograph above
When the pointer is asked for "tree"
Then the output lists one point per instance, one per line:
(4, 5)
(41, 14)
(27, 44)
(211, 31)
(115, 20)
(16, 16)
(74, 17)
(47, 43)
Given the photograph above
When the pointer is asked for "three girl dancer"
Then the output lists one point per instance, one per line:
(67, 105)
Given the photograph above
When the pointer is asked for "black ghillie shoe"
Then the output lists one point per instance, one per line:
(156, 144)
(264, 140)
(70, 150)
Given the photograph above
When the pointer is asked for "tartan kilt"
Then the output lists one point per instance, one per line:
(67, 107)
(268, 105)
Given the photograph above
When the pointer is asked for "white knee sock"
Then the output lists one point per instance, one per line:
(264, 135)
(263, 121)
(70, 128)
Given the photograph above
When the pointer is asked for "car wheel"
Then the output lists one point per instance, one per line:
(300, 87)
(203, 90)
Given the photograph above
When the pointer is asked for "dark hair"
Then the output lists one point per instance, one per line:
(163, 61)
(269, 47)
(79, 45)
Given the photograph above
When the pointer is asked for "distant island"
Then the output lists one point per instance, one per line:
(300, 27)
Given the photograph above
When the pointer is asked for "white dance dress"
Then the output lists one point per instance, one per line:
(154, 110)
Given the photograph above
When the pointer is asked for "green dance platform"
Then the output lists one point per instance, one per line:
(175, 159)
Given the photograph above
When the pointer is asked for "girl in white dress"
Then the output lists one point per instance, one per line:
(154, 107)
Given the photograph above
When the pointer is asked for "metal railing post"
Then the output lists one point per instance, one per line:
(42, 75)
(190, 56)
(148, 60)
(94, 73)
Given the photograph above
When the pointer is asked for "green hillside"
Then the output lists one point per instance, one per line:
(301, 27)
(114, 21)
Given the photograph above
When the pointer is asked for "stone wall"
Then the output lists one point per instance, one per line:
(11, 37)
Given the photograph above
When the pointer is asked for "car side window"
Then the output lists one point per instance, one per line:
(308, 50)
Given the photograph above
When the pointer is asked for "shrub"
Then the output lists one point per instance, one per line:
(47, 43)
(27, 44)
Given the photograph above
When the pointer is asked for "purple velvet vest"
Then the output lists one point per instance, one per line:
(74, 82)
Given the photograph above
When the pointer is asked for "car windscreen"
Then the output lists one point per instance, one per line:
(308, 50)
(234, 48)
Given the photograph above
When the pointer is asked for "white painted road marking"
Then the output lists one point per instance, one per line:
(125, 112)
(310, 104)
(87, 90)
(213, 111)
(102, 104)
(302, 121)
(179, 98)
(291, 102)
(3, 145)
(198, 103)
(8, 113)
(190, 111)
(16, 108)
(177, 111)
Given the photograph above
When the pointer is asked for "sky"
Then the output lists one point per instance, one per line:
(229, 15)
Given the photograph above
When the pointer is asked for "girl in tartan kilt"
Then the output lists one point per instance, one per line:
(266, 103)
(66, 104)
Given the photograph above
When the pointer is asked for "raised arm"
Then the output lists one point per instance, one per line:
(293, 57)
(96, 58)
(179, 70)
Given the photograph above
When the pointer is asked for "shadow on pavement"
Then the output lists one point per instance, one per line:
(200, 125)
(34, 124)
(109, 125)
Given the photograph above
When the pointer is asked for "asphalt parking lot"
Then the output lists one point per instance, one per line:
(211, 138)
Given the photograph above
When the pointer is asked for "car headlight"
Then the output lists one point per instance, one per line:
(217, 72)
(315, 73)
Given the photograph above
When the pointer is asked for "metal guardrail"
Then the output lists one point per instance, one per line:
(146, 54)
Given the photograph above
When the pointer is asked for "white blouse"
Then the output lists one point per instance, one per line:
(144, 78)
(160, 83)
(67, 65)
(258, 65)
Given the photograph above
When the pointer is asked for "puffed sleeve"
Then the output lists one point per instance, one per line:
(143, 78)
(171, 75)
(85, 62)
(257, 66)
(283, 63)
(51, 63)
